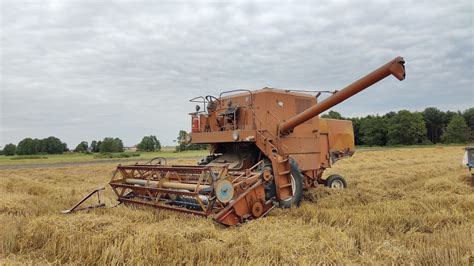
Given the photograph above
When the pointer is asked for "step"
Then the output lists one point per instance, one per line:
(284, 173)
(286, 185)
(283, 161)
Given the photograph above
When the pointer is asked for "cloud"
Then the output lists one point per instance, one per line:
(84, 70)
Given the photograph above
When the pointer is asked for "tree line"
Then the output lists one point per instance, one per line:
(109, 145)
(27, 146)
(53, 145)
(102, 146)
(430, 126)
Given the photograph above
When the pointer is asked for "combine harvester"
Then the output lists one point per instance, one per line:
(267, 146)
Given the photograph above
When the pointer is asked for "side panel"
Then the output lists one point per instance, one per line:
(302, 144)
(341, 135)
(308, 161)
(324, 147)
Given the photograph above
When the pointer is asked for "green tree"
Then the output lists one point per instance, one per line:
(457, 131)
(26, 146)
(469, 117)
(390, 115)
(149, 143)
(332, 115)
(373, 131)
(181, 140)
(97, 147)
(39, 146)
(447, 118)
(118, 145)
(183, 146)
(65, 148)
(50, 145)
(356, 122)
(9, 149)
(433, 118)
(406, 128)
(111, 145)
(82, 147)
(94, 146)
(107, 145)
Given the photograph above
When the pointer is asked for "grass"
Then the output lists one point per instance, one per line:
(28, 157)
(403, 206)
(82, 157)
(365, 147)
(116, 155)
(167, 152)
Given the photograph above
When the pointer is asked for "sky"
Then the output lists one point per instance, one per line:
(85, 70)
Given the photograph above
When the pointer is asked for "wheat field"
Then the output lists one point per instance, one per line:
(403, 206)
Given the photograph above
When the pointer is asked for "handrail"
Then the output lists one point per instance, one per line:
(249, 91)
(195, 100)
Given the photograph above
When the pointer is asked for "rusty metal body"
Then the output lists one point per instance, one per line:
(257, 139)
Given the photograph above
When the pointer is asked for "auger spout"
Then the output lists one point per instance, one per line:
(394, 67)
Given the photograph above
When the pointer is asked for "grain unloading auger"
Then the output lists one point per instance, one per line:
(266, 146)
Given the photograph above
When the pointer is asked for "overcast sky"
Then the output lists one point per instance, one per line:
(85, 70)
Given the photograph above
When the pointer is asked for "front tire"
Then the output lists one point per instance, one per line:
(297, 182)
(206, 160)
(335, 181)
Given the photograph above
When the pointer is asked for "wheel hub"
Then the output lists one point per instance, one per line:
(337, 184)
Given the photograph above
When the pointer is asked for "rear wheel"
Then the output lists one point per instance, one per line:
(335, 181)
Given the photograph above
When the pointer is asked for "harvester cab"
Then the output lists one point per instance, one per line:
(266, 146)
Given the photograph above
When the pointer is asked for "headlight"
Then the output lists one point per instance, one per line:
(235, 135)
(188, 139)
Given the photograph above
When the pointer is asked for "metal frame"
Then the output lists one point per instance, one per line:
(76, 206)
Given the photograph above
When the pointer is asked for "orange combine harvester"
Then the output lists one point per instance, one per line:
(266, 147)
